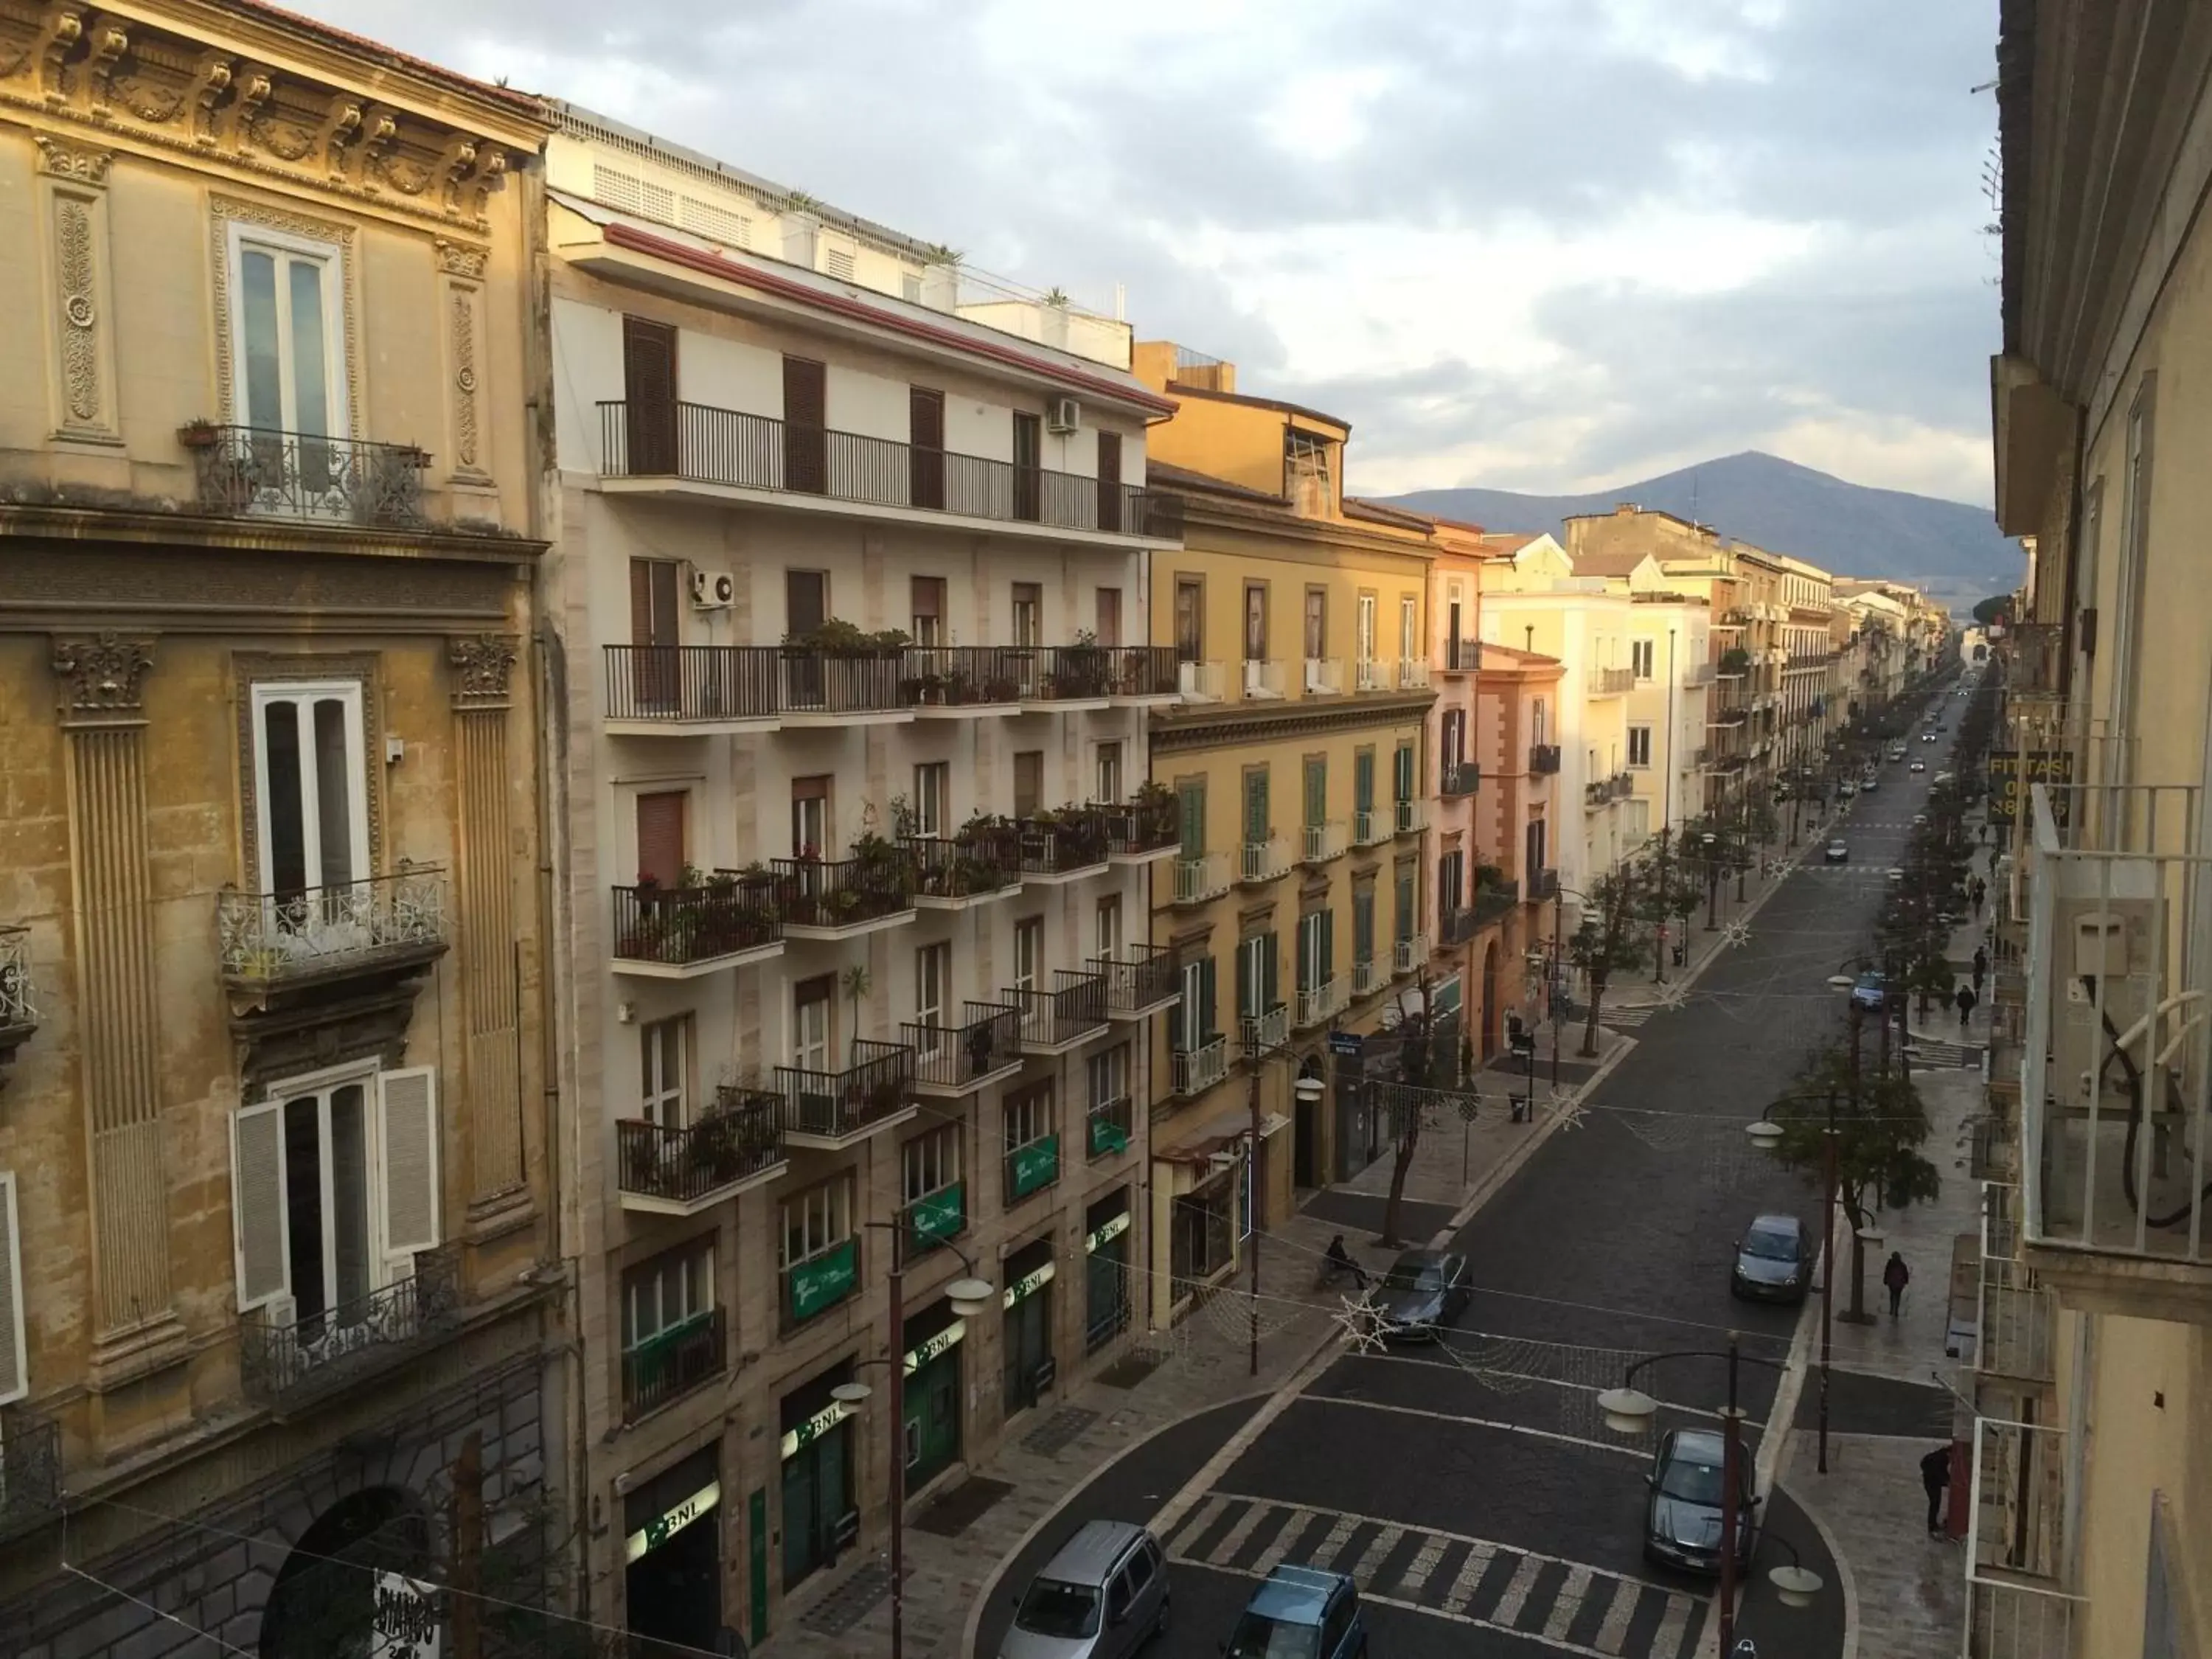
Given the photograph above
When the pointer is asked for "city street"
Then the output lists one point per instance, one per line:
(1472, 1489)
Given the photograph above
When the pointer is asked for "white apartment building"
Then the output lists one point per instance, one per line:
(850, 593)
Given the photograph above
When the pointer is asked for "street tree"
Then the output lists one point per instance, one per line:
(1609, 940)
(1880, 1126)
(1424, 1062)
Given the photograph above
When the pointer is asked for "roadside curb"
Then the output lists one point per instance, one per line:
(1507, 1167)
(1846, 1581)
(1695, 971)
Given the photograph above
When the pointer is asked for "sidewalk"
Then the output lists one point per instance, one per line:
(1166, 1377)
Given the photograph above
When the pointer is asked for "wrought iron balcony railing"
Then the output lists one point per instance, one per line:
(1074, 1009)
(1142, 671)
(1063, 843)
(1463, 656)
(1458, 778)
(287, 1361)
(30, 1468)
(958, 1058)
(1257, 1033)
(813, 686)
(318, 933)
(1144, 978)
(833, 894)
(1320, 1003)
(1140, 829)
(728, 915)
(950, 870)
(738, 1139)
(1320, 842)
(262, 472)
(825, 1105)
(1200, 878)
(1067, 673)
(701, 443)
(1194, 1071)
(669, 1364)
(1543, 758)
(1456, 925)
(19, 1008)
(961, 676)
(1493, 901)
(687, 686)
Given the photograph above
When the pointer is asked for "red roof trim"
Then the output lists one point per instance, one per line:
(661, 247)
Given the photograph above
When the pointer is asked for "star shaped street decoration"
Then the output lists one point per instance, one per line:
(1573, 1115)
(1362, 1322)
(1737, 933)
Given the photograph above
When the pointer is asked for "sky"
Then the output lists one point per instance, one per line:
(1541, 245)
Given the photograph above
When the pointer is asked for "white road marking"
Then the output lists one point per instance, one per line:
(1569, 1604)
(1241, 1530)
(1377, 1551)
(1339, 1536)
(1487, 1423)
(1672, 1624)
(1478, 1558)
(1204, 1517)
(1517, 1593)
(1614, 1631)
(1272, 1557)
(1415, 1578)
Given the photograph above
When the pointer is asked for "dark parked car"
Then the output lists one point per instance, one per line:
(1301, 1612)
(1424, 1291)
(1682, 1517)
(1773, 1260)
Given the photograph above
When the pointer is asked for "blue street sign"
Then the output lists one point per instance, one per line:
(1346, 1042)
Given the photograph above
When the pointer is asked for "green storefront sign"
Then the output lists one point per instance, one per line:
(823, 1281)
(1035, 1165)
(936, 1217)
(1107, 1136)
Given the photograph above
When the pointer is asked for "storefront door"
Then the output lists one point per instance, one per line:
(1106, 1271)
(674, 1580)
(933, 1420)
(1027, 1333)
(819, 1517)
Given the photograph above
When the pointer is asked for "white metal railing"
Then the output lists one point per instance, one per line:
(1369, 827)
(265, 936)
(1321, 841)
(1413, 673)
(1409, 817)
(1324, 677)
(1324, 1001)
(1258, 1033)
(2116, 1073)
(1202, 877)
(1372, 674)
(17, 1006)
(2016, 1555)
(1264, 859)
(2005, 1621)
(1366, 977)
(1262, 679)
(1407, 955)
(1196, 1069)
(2012, 1321)
(1200, 682)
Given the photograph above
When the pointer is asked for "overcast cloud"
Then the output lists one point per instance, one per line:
(1545, 245)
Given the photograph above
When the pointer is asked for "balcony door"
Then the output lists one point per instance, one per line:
(812, 1003)
(311, 795)
(1364, 627)
(1255, 621)
(660, 850)
(289, 365)
(1189, 619)
(1109, 489)
(652, 635)
(1029, 466)
(805, 608)
(1316, 632)
(649, 398)
(926, 451)
(806, 418)
(1533, 848)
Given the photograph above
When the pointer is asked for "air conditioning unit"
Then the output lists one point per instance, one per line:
(712, 590)
(284, 1312)
(1063, 415)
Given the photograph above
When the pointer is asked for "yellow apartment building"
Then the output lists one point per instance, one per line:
(1298, 761)
(2091, 1478)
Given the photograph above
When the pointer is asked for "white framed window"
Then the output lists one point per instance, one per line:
(1639, 745)
(1256, 956)
(14, 1353)
(1190, 1015)
(1314, 968)
(816, 1221)
(929, 1163)
(1363, 628)
(334, 1188)
(670, 1291)
(931, 789)
(1639, 657)
(1027, 1118)
(311, 785)
(812, 1002)
(1107, 773)
(933, 976)
(664, 1064)
(1108, 927)
(1409, 628)
(1108, 1074)
(286, 332)
(1029, 953)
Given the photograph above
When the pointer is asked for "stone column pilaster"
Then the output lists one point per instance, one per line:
(483, 910)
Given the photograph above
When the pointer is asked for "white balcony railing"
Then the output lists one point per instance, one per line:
(1370, 827)
(1367, 977)
(1409, 953)
(1409, 816)
(1320, 842)
(1262, 680)
(1323, 1002)
(2017, 1605)
(1324, 677)
(2012, 1322)
(1257, 1033)
(1412, 673)
(1200, 878)
(1200, 682)
(1196, 1069)
(1372, 674)
(2116, 1072)
(2005, 1621)
(1264, 859)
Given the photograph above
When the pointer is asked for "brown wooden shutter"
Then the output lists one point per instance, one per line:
(926, 457)
(661, 836)
(806, 600)
(1028, 781)
(1029, 461)
(805, 444)
(649, 398)
(654, 658)
(1110, 480)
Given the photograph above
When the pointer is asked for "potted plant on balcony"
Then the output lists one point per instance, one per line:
(1736, 660)
(198, 434)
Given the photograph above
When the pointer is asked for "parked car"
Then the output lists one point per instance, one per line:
(1840, 852)
(1773, 1260)
(1867, 990)
(1424, 1291)
(1682, 1516)
(1846, 789)
(1927, 737)
(1103, 1595)
(1918, 766)
(1301, 1612)
(1869, 784)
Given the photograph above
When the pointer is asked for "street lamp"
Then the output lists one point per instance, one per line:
(1628, 1410)
(1306, 1089)
(1712, 877)
(970, 1298)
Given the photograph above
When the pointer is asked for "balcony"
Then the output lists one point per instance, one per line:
(1370, 674)
(1543, 759)
(1408, 955)
(2015, 1544)
(1263, 681)
(1201, 682)
(1194, 1071)
(1320, 842)
(274, 942)
(1143, 831)
(1367, 977)
(680, 933)
(1698, 674)
(1738, 616)
(1728, 714)
(845, 687)
(1455, 928)
(1324, 677)
(1494, 901)
(1809, 662)
(1458, 779)
(2013, 1321)
(1408, 818)
(666, 1169)
(1319, 1004)
(847, 897)
(961, 682)
(260, 472)
(30, 1469)
(1066, 677)
(1031, 1168)
(1070, 1014)
(691, 690)
(1142, 676)
(1542, 885)
(1063, 845)
(1611, 681)
(1369, 827)
(1412, 673)
(1463, 656)
(1263, 862)
(684, 449)
(952, 1060)
(1604, 792)
(2116, 1073)
(288, 1363)
(1258, 1033)
(19, 1011)
(830, 1111)
(672, 1363)
(969, 869)
(1111, 1126)
(1143, 979)
(1197, 881)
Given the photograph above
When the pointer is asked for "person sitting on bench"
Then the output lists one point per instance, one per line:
(1340, 1262)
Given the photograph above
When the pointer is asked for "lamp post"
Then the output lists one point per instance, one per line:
(1306, 1088)
(970, 1298)
(1766, 1135)
(1629, 1411)
(1711, 844)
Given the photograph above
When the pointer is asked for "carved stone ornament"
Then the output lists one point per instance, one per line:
(481, 663)
(462, 259)
(103, 675)
(72, 162)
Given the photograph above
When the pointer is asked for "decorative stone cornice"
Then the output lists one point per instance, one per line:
(76, 162)
(101, 676)
(462, 259)
(481, 665)
(1265, 722)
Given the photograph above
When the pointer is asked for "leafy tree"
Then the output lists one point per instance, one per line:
(1880, 1126)
(1424, 1061)
(1609, 940)
(1996, 608)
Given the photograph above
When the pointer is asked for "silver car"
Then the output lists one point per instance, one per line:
(1104, 1596)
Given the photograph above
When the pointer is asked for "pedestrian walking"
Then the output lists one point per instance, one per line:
(1981, 968)
(1935, 1476)
(1981, 891)
(1895, 1276)
(1965, 999)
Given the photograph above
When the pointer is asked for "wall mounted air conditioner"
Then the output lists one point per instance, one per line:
(712, 590)
(1063, 414)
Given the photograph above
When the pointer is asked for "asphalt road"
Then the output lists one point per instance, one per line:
(1471, 1489)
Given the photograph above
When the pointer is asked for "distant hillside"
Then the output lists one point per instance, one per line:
(1953, 550)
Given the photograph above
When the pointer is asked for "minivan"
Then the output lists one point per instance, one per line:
(1104, 1596)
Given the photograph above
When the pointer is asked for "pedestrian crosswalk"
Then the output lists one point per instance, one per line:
(1626, 1018)
(1941, 1051)
(1574, 1607)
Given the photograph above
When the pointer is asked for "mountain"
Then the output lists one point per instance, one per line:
(1953, 551)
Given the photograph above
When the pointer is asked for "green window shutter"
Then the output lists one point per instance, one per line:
(1316, 792)
(1246, 990)
(1363, 926)
(1256, 806)
(1194, 819)
(1206, 1026)
(1327, 947)
(1269, 965)
(1363, 780)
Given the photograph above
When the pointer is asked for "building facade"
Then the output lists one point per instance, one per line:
(850, 587)
(1517, 821)
(275, 1188)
